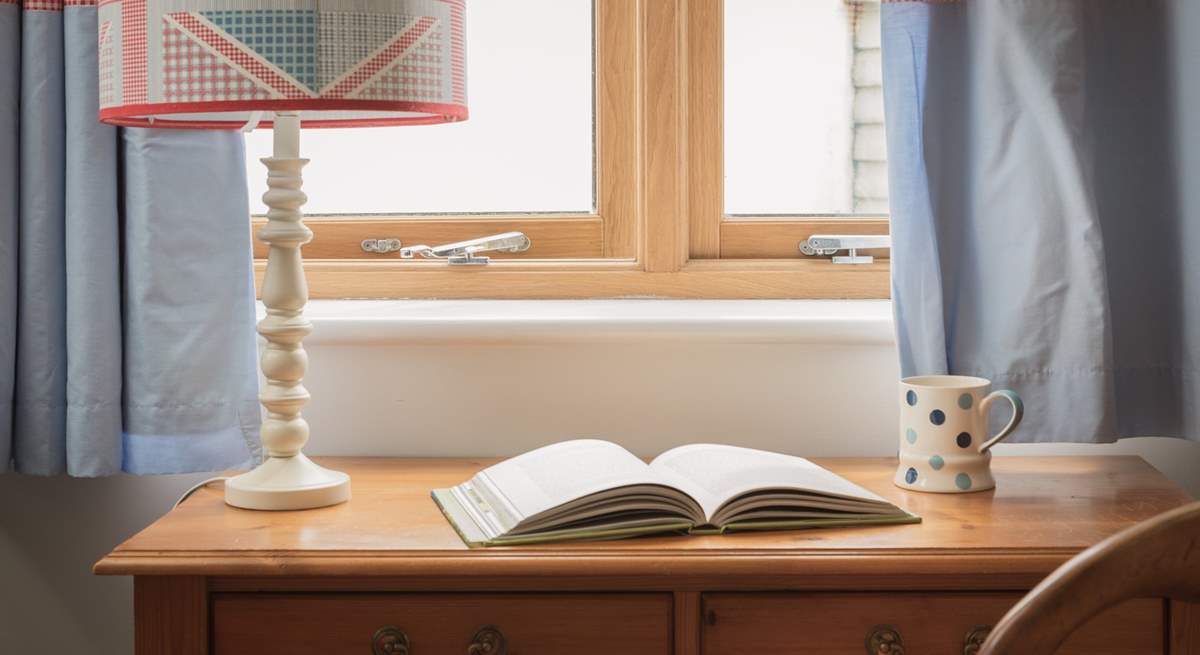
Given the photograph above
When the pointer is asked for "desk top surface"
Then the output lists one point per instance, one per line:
(1044, 510)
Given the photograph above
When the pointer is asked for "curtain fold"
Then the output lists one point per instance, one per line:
(1044, 224)
(126, 293)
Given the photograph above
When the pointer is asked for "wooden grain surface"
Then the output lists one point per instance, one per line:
(172, 615)
(706, 127)
(617, 97)
(1159, 558)
(595, 278)
(663, 147)
(1044, 510)
(928, 623)
(687, 622)
(533, 624)
(1184, 636)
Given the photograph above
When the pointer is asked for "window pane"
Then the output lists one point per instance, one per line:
(527, 146)
(803, 108)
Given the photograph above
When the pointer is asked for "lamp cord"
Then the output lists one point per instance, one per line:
(196, 487)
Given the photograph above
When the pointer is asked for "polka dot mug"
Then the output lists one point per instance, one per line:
(944, 446)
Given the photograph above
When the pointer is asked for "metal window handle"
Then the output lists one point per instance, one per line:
(466, 252)
(829, 244)
(460, 252)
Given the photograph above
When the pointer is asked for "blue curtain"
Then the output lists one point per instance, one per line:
(1044, 158)
(126, 291)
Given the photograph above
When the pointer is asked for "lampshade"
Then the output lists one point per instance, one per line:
(338, 63)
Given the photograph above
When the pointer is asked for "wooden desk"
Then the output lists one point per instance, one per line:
(214, 579)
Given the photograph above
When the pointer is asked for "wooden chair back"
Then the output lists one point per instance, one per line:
(1157, 558)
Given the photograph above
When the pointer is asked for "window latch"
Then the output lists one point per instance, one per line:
(830, 244)
(458, 253)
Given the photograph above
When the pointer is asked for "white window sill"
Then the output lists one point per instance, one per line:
(599, 321)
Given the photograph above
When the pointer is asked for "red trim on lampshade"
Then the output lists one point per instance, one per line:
(147, 115)
(48, 5)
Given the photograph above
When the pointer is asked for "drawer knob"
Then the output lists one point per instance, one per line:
(488, 641)
(389, 640)
(975, 638)
(884, 640)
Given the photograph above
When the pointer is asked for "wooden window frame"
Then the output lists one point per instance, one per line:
(659, 229)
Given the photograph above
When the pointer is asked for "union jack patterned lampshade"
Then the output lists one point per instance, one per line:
(339, 63)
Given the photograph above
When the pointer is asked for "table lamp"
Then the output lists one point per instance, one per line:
(230, 64)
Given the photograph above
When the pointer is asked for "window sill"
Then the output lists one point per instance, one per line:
(860, 322)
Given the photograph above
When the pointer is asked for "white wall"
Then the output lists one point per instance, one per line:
(445, 398)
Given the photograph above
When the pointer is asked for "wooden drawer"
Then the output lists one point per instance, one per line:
(928, 623)
(441, 624)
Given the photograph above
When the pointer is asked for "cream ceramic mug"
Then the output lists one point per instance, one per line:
(944, 446)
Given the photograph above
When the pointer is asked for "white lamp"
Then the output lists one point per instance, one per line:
(230, 64)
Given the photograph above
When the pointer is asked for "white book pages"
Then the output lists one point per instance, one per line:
(714, 474)
(540, 480)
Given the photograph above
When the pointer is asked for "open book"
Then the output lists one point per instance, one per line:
(591, 489)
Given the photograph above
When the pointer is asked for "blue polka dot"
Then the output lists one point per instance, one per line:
(937, 462)
(911, 397)
(965, 400)
(910, 476)
(963, 440)
(911, 435)
(962, 481)
(937, 417)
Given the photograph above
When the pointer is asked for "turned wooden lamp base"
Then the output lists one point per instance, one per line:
(287, 479)
(287, 483)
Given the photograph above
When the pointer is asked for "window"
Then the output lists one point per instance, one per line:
(803, 126)
(651, 150)
(811, 146)
(530, 156)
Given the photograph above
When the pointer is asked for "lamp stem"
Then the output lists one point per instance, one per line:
(287, 479)
(284, 293)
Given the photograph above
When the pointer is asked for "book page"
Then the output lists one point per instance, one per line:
(542, 479)
(715, 474)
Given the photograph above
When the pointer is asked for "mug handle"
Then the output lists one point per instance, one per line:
(1018, 412)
